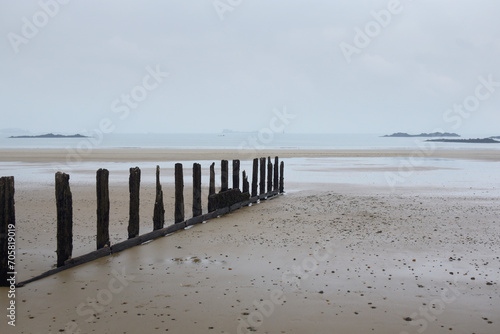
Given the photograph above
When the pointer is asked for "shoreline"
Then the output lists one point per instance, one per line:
(160, 154)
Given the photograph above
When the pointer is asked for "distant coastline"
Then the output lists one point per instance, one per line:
(472, 140)
(51, 135)
(434, 134)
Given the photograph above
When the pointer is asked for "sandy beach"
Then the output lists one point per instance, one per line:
(323, 258)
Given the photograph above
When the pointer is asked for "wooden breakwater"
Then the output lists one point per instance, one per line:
(219, 203)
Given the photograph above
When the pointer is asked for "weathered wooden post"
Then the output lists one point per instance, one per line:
(255, 176)
(282, 178)
(64, 204)
(269, 175)
(276, 174)
(197, 210)
(236, 174)
(102, 190)
(7, 228)
(159, 210)
(246, 185)
(224, 186)
(134, 187)
(179, 194)
(262, 176)
(211, 188)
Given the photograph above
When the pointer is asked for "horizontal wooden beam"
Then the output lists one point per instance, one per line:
(121, 246)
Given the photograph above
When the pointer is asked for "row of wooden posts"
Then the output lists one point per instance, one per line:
(218, 203)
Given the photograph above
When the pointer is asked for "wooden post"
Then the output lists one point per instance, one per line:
(102, 190)
(211, 189)
(179, 194)
(269, 175)
(224, 176)
(262, 176)
(197, 210)
(159, 210)
(276, 173)
(64, 204)
(255, 176)
(282, 178)
(236, 174)
(134, 186)
(246, 185)
(7, 229)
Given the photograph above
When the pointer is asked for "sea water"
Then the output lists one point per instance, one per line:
(256, 140)
(480, 177)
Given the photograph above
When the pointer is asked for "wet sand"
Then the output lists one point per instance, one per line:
(324, 258)
(158, 154)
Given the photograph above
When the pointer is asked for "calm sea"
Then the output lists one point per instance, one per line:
(236, 141)
(463, 176)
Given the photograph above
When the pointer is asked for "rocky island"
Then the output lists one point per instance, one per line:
(434, 134)
(472, 140)
(51, 135)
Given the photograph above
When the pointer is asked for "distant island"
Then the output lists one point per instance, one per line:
(474, 141)
(495, 137)
(51, 135)
(227, 131)
(435, 134)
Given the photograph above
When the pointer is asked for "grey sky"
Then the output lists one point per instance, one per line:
(230, 69)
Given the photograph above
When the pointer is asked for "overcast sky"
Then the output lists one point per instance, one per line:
(337, 66)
